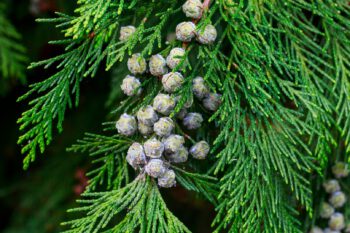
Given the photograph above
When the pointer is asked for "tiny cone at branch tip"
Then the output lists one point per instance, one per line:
(157, 65)
(337, 199)
(175, 56)
(180, 156)
(145, 129)
(164, 104)
(167, 180)
(340, 170)
(147, 115)
(336, 222)
(326, 210)
(172, 81)
(126, 32)
(193, 8)
(331, 186)
(185, 31)
(207, 35)
(126, 125)
(200, 90)
(137, 64)
(136, 156)
(212, 102)
(155, 168)
(173, 143)
(153, 148)
(316, 229)
(164, 126)
(130, 85)
(200, 150)
(193, 120)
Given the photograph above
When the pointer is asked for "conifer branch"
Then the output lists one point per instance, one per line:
(146, 211)
(285, 98)
(92, 40)
(109, 153)
(203, 184)
(268, 129)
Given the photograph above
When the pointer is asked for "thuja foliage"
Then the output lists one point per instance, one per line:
(12, 52)
(283, 70)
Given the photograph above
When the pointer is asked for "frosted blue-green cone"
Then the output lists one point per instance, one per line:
(212, 102)
(336, 222)
(207, 35)
(173, 143)
(326, 210)
(175, 56)
(157, 65)
(340, 169)
(137, 64)
(136, 156)
(155, 168)
(199, 88)
(164, 126)
(153, 148)
(193, 8)
(147, 115)
(172, 81)
(126, 32)
(200, 150)
(180, 156)
(331, 186)
(126, 125)
(185, 31)
(129, 86)
(193, 120)
(164, 104)
(167, 180)
(337, 199)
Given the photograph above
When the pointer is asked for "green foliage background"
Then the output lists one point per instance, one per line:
(283, 69)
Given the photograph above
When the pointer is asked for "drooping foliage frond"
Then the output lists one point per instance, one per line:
(146, 210)
(91, 39)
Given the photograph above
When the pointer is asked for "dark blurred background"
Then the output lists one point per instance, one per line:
(36, 200)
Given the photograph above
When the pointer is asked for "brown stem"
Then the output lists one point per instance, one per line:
(206, 4)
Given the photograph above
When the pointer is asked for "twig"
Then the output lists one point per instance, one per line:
(206, 4)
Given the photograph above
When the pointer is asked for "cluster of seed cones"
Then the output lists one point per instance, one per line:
(330, 210)
(162, 147)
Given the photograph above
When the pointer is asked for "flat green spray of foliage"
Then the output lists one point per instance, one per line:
(12, 53)
(283, 68)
